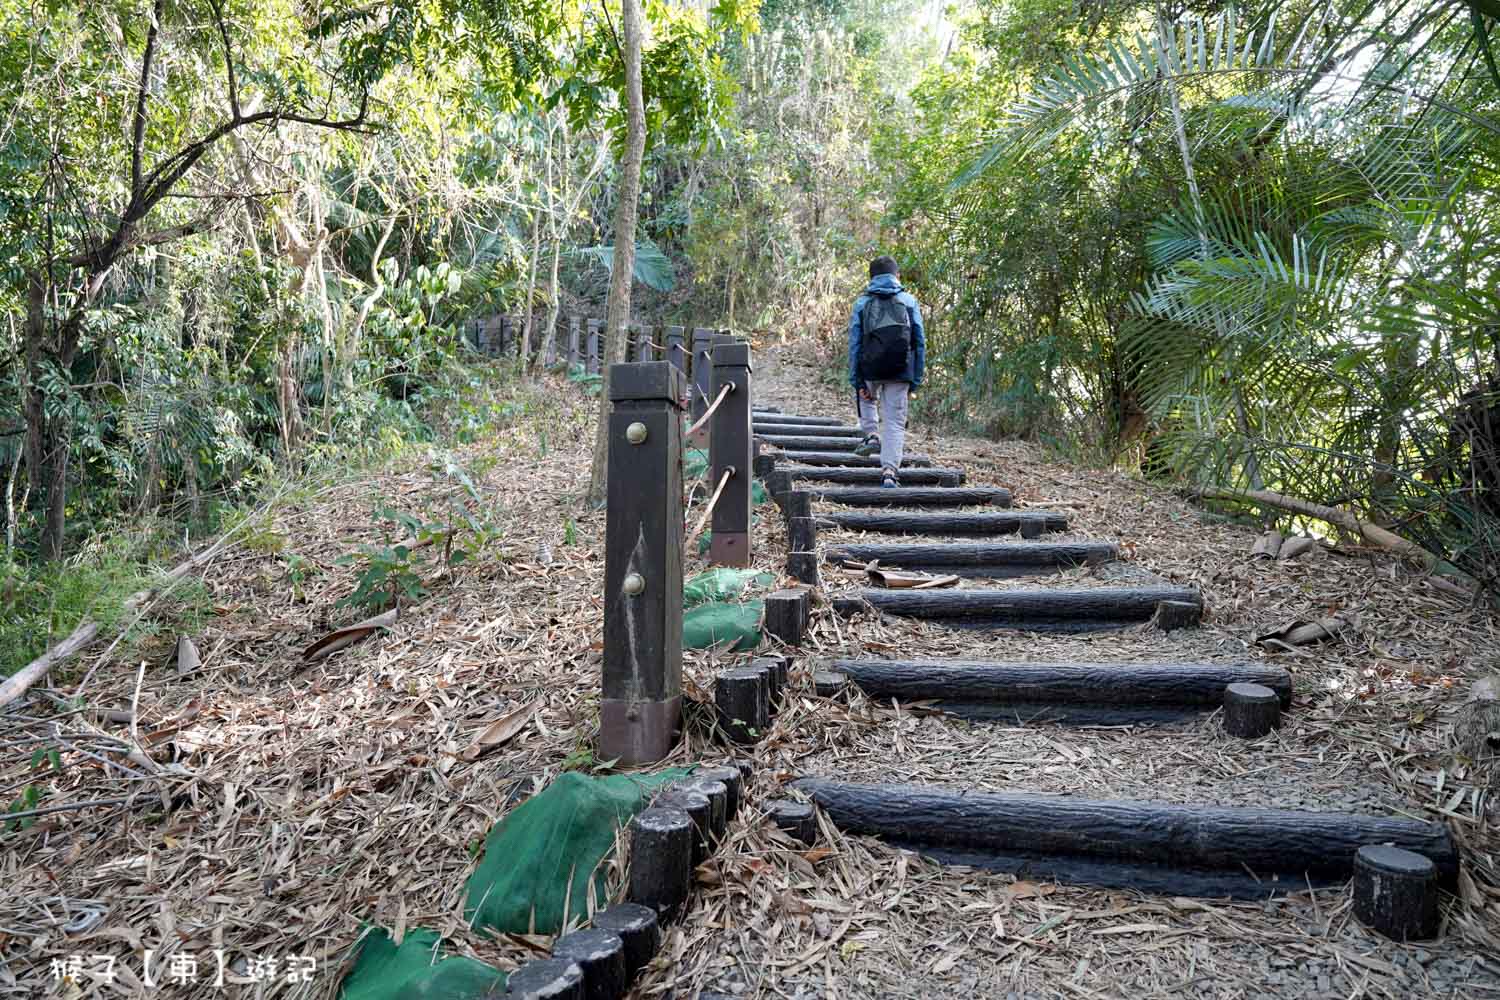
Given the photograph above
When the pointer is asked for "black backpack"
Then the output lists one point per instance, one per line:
(887, 338)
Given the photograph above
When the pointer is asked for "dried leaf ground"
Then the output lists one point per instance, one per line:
(308, 800)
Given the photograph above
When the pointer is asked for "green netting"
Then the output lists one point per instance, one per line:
(758, 494)
(694, 464)
(414, 971)
(720, 584)
(541, 860)
(710, 624)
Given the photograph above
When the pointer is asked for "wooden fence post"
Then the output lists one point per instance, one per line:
(573, 332)
(593, 365)
(641, 712)
(703, 378)
(676, 351)
(729, 451)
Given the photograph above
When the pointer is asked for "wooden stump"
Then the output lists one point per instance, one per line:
(773, 678)
(767, 681)
(1396, 892)
(734, 786)
(764, 465)
(699, 810)
(829, 684)
(546, 979)
(799, 819)
(661, 859)
(801, 537)
(718, 803)
(638, 928)
(740, 699)
(601, 956)
(787, 614)
(1170, 615)
(1250, 710)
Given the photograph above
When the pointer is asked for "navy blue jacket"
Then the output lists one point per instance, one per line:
(917, 358)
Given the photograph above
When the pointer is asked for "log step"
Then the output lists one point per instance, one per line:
(816, 430)
(1109, 694)
(1041, 609)
(847, 458)
(981, 559)
(1157, 847)
(861, 477)
(776, 417)
(802, 442)
(944, 523)
(910, 496)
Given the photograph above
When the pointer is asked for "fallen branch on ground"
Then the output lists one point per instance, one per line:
(1374, 534)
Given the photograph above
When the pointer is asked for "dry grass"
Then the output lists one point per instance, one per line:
(308, 800)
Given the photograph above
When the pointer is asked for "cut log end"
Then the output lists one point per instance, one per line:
(661, 859)
(740, 697)
(1250, 710)
(830, 684)
(601, 956)
(734, 785)
(800, 819)
(546, 979)
(1172, 615)
(1396, 892)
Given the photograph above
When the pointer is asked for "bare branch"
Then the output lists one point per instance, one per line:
(138, 136)
(234, 89)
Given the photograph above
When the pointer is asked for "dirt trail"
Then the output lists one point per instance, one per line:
(1367, 733)
(309, 801)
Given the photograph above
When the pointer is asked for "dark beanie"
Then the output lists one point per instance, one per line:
(883, 265)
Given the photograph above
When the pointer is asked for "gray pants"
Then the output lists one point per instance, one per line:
(891, 398)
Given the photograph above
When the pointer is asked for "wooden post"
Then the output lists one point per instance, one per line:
(661, 859)
(729, 451)
(1396, 892)
(676, 349)
(740, 699)
(799, 819)
(594, 347)
(507, 334)
(574, 355)
(601, 956)
(703, 378)
(787, 614)
(801, 537)
(642, 707)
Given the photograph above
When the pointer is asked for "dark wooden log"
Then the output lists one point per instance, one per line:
(1170, 615)
(1032, 529)
(595, 347)
(1251, 709)
(778, 484)
(773, 678)
(641, 711)
(983, 559)
(661, 859)
(740, 700)
(677, 349)
(702, 378)
(601, 956)
(863, 477)
(908, 496)
(803, 442)
(733, 781)
(800, 819)
(801, 537)
(808, 430)
(1200, 685)
(575, 336)
(830, 684)
(763, 465)
(1396, 892)
(718, 802)
(783, 662)
(941, 522)
(846, 458)
(638, 928)
(1197, 836)
(773, 416)
(787, 615)
(700, 809)
(729, 451)
(546, 979)
(1033, 609)
(767, 679)
(1151, 879)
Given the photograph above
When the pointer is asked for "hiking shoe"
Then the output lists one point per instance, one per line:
(890, 480)
(868, 446)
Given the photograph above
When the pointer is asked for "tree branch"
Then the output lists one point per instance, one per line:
(234, 90)
(138, 131)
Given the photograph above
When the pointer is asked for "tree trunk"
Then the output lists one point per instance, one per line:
(548, 350)
(617, 315)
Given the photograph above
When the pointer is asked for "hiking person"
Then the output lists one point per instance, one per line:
(887, 351)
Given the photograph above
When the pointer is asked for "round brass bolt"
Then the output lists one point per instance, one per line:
(636, 433)
(635, 584)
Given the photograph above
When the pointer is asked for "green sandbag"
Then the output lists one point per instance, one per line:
(540, 861)
(758, 494)
(710, 624)
(720, 584)
(413, 971)
(694, 464)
